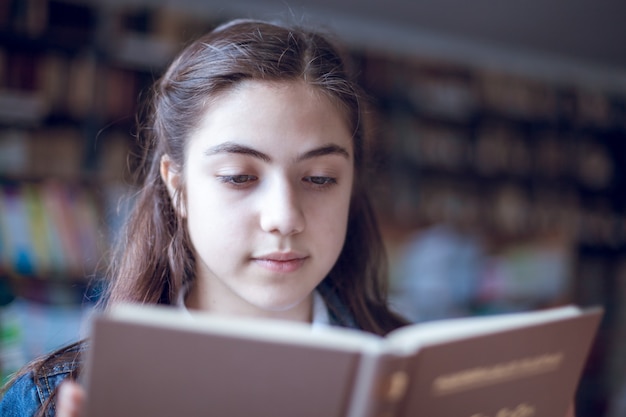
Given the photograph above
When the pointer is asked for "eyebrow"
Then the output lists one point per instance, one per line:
(235, 148)
(231, 147)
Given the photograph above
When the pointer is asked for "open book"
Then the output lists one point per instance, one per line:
(161, 362)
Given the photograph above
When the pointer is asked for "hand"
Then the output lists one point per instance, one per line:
(71, 400)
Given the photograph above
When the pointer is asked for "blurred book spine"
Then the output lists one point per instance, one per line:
(50, 230)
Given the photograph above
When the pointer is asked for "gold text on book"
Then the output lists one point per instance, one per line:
(522, 410)
(493, 374)
(394, 387)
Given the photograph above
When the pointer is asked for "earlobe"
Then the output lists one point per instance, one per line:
(170, 174)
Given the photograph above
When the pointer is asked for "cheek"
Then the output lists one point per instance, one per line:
(330, 222)
(211, 214)
(217, 236)
(208, 216)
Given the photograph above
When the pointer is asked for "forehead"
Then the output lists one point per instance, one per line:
(270, 114)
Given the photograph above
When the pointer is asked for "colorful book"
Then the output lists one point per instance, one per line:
(19, 251)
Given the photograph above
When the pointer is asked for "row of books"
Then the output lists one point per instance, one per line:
(36, 17)
(458, 93)
(507, 210)
(78, 20)
(64, 152)
(50, 230)
(46, 74)
(497, 149)
(56, 84)
(142, 37)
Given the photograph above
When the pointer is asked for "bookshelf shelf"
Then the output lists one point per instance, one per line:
(44, 42)
(517, 163)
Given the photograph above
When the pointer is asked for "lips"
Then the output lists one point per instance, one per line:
(283, 262)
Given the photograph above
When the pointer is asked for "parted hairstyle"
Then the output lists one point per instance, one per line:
(154, 258)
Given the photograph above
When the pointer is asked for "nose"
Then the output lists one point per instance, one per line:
(281, 209)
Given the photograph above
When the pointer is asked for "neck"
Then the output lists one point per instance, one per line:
(202, 298)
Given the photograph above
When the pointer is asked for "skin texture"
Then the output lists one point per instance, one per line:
(268, 180)
(71, 400)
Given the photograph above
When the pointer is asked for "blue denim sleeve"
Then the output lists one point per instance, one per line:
(21, 399)
(25, 396)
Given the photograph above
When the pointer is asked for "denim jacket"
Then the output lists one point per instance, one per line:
(27, 394)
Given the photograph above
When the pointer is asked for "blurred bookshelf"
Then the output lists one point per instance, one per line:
(503, 192)
(72, 77)
(522, 178)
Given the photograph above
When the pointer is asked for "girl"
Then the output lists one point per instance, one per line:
(254, 201)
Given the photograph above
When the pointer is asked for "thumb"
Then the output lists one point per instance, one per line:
(71, 400)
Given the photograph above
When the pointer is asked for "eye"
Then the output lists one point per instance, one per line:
(237, 180)
(321, 181)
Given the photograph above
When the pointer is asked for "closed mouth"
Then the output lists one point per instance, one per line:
(284, 262)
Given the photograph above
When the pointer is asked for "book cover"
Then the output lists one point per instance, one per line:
(159, 361)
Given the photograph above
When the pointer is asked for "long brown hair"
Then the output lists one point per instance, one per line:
(154, 259)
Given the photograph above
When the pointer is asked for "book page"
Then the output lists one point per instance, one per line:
(410, 338)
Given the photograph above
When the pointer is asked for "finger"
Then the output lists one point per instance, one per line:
(71, 400)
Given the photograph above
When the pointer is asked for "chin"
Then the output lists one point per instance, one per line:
(279, 304)
(278, 307)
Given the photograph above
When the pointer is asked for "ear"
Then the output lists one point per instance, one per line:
(171, 176)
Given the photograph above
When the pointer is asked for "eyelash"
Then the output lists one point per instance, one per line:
(321, 182)
(237, 180)
(318, 182)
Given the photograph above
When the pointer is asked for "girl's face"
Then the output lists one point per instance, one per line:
(268, 180)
